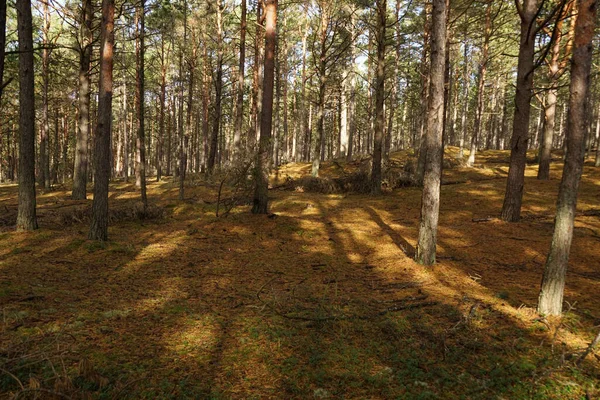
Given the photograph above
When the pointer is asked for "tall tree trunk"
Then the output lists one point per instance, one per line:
(161, 117)
(141, 103)
(2, 44)
(239, 116)
(425, 83)
(261, 191)
(81, 147)
(481, 78)
(379, 96)
(554, 72)
(44, 156)
(597, 163)
(218, 90)
(26, 216)
(99, 226)
(465, 110)
(322, 72)
(430, 202)
(511, 209)
(553, 281)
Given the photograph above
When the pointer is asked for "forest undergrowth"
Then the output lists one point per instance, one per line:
(319, 299)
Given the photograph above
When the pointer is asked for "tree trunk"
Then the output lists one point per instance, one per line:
(26, 216)
(81, 147)
(140, 102)
(553, 281)
(481, 78)
(239, 117)
(214, 141)
(261, 191)
(465, 111)
(511, 209)
(44, 156)
(99, 226)
(379, 96)
(597, 163)
(322, 72)
(430, 202)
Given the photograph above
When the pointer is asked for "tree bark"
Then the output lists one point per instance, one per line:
(511, 209)
(379, 96)
(553, 281)
(214, 141)
(141, 106)
(322, 72)
(44, 154)
(99, 226)
(481, 78)
(261, 191)
(83, 123)
(239, 117)
(430, 202)
(26, 215)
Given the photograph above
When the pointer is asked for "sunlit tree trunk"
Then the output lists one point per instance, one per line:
(430, 202)
(553, 281)
(260, 202)
(26, 216)
(99, 226)
(322, 74)
(44, 153)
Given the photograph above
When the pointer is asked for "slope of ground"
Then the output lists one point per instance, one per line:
(319, 300)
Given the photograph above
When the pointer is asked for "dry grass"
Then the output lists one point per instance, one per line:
(321, 301)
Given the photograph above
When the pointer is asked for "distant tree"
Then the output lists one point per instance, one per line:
(140, 77)
(26, 216)
(553, 282)
(99, 227)
(430, 201)
(261, 191)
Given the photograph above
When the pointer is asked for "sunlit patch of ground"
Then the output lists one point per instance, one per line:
(319, 300)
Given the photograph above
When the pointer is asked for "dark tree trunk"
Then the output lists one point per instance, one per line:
(99, 226)
(511, 209)
(2, 43)
(430, 202)
(141, 106)
(214, 141)
(26, 216)
(553, 282)
(261, 191)
(379, 96)
(239, 116)
(81, 146)
(44, 154)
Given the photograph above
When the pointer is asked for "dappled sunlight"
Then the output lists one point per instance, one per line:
(321, 295)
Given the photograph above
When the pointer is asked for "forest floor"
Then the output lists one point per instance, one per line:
(321, 299)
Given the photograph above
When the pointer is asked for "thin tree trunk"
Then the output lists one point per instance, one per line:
(218, 91)
(141, 107)
(511, 209)
(239, 117)
(99, 226)
(322, 72)
(430, 202)
(26, 216)
(481, 80)
(44, 155)
(465, 111)
(553, 281)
